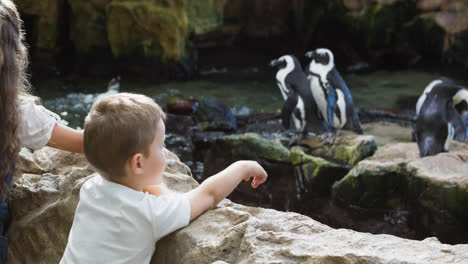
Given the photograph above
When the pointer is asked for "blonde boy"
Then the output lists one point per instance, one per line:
(117, 220)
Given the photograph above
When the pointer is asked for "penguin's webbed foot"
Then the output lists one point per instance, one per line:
(329, 137)
(294, 140)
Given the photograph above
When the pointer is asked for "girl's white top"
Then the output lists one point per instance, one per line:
(36, 124)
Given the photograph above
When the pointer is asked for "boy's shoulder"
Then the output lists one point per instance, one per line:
(98, 186)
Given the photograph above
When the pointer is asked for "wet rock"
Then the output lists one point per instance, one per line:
(44, 197)
(263, 123)
(204, 16)
(347, 149)
(43, 17)
(388, 132)
(257, 19)
(434, 189)
(253, 146)
(179, 124)
(287, 169)
(88, 30)
(272, 155)
(203, 141)
(214, 115)
(147, 28)
(314, 175)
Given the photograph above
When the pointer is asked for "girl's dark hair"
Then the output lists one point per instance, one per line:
(13, 83)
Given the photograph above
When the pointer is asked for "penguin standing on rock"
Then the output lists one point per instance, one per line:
(439, 117)
(299, 103)
(332, 95)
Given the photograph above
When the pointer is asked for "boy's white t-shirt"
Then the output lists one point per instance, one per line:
(116, 224)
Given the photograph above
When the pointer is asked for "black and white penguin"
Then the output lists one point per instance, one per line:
(332, 95)
(438, 121)
(299, 103)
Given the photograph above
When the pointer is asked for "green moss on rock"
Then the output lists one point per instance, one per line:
(433, 189)
(147, 29)
(47, 15)
(381, 24)
(88, 30)
(315, 173)
(346, 149)
(425, 36)
(204, 16)
(247, 145)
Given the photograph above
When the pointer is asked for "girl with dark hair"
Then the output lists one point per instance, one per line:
(23, 123)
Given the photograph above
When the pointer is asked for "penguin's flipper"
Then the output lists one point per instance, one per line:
(455, 119)
(331, 106)
(465, 123)
(353, 122)
(288, 109)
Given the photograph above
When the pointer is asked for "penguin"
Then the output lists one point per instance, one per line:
(299, 103)
(465, 122)
(460, 101)
(332, 95)
(438, 121)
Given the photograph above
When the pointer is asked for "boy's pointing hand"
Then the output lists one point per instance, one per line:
(256, 172)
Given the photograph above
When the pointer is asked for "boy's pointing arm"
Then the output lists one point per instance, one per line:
(214, 189)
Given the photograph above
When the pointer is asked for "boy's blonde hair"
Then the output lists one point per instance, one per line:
(117, 127)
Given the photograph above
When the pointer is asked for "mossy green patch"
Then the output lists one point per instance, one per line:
(88, 26)
(47, 13)
(147, 29)
(345, 150)
(315, 173)
(242, 145)
(425, 36)
(382, 23)
(204, 16)
(379, 188)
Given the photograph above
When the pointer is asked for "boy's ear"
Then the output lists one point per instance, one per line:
(136, 163)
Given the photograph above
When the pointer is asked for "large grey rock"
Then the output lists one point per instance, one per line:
(434, 189)
(238, 234)
(45, 194)
(231, 233)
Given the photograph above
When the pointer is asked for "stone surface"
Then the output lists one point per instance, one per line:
(434, 189)
(287, 169)
(348, 149)
(238, 234)
(314, 175)
(46, 16)
(43, 205)
(147, 28)
(204, 16)
(44, 196)
(88, 30)
(387, 132)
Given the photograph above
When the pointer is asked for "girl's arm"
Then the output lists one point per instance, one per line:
(66, 138)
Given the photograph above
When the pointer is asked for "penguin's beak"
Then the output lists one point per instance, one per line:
(274, 63)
